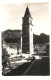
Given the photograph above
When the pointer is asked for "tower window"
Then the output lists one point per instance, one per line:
(30, 22)
(31, 29)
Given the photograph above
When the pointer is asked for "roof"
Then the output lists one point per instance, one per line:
(27, 12)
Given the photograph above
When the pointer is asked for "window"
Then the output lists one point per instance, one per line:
(31, 29)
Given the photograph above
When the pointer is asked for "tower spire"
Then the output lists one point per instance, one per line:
(27, 5)
(27, 12)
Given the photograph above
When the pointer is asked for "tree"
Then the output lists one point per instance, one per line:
(5, 58)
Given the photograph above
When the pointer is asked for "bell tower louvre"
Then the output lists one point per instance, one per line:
(27, 34)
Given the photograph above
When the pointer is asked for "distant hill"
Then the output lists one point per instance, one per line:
(15, 35)
(11, 35)
(40, 39)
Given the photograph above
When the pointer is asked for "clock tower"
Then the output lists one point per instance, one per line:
(27, 34)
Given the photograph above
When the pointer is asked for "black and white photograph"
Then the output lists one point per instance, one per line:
(25, 39)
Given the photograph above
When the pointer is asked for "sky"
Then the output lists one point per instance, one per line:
(11, 16)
